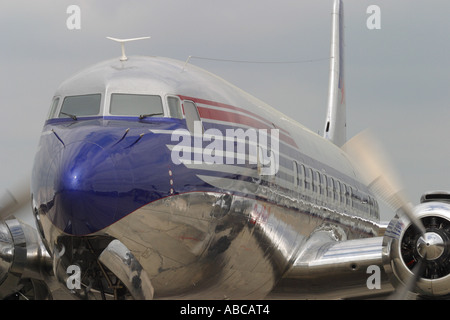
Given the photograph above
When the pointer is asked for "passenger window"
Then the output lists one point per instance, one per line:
(191, 114)
(301, 176)
(175, 107)
(316, 182)
(308, 178)
(296, 180)
(139, 105)
(83, 105)
(323, 184)
(53, 107)
(349, 196)
(342, 193)
(329, 187)
(337, 191)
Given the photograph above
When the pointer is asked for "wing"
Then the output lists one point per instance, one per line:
(331, 270)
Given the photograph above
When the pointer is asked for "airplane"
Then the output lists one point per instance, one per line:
(155, 179)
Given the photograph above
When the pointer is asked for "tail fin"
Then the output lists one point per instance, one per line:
(336, 121)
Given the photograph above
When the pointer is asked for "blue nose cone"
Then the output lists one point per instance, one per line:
(85, 189)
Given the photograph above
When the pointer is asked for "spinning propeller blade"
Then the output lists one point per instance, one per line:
(368, 155)
(14, 199)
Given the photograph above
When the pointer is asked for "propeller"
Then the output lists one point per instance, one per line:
(15, 198)
(370, 158)
(404, 291)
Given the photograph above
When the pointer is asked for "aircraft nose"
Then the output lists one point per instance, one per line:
(84, 180)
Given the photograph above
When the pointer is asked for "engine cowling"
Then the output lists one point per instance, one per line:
(406, 250)
(24, 261)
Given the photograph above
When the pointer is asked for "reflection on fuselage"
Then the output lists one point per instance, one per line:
(198, 229)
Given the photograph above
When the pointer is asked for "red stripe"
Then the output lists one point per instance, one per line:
(227, 106)
(225, 116)
(221, 115)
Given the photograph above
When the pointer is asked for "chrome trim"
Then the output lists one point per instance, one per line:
(430, 246)
(22, 256)
(118, 259)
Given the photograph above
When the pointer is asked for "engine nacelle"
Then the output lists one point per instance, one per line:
(23, 259)
(404, 247)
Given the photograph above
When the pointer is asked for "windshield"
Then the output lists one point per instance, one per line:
(136, 105)
(76, 106)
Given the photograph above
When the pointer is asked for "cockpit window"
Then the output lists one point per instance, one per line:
(175, 107)
(54, 106)
(139, 105)
(79, 106)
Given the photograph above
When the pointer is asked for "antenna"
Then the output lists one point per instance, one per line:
(122, 43)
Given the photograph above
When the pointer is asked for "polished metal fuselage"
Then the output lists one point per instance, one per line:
(225, 237)
(212, 245)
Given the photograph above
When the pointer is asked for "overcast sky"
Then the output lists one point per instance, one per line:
(397, 77)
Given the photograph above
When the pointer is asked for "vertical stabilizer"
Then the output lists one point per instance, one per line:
(336, 122)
